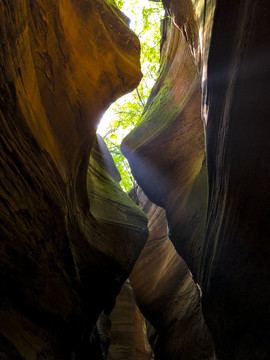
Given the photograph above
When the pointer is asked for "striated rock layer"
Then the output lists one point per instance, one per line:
(166, 149)
(62, 260)
(218, 217)
(167, 295)
(235, 265)
(128, 329)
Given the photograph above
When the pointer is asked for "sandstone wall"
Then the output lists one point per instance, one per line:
(70, 237)
(61, 65)
(215, 63)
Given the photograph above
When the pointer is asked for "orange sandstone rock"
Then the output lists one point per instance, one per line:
(62, 63)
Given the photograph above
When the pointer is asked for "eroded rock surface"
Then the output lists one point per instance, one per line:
(166, 150)
(167, 295)
(128, 330)
(69, 240)
(218, 217)
(62, 63)
(161, 303)
(235, 267)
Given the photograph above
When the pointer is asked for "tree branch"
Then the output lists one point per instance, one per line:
(139, 96)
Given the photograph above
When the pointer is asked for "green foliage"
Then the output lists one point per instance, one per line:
(119, 3)
(124, 114)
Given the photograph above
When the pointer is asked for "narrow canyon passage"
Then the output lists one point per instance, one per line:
(177, 269)
(160, 303)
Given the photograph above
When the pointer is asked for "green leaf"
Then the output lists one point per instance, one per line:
(126, 112)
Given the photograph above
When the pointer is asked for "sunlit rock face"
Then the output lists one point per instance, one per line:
(62, 260)
(160, 304)
(166, 150)
(128, 329)
(224, 240)
(167, 295)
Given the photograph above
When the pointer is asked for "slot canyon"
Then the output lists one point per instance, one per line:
(178, 269)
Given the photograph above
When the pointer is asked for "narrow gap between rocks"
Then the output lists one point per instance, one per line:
(123, 115)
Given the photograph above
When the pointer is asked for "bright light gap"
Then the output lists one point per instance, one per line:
(122, 115)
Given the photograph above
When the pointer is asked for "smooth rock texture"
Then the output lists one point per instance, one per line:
(217, 210)
(70, 237)
(235, 267)
(167, 295)
(62, 262)
(174, 176)
(128, 329)
(160, 304)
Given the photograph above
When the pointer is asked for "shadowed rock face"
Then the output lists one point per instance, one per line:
(62, 262)
(237, 136)
(225, 239)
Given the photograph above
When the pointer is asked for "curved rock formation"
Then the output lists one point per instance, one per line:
(167, 295)
(224, 239)
(173, 177)
(70, 237)
(235, 266)
(62, 261)
(128, 331)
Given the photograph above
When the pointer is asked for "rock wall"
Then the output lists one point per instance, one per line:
(168, 313)
(167, 295)
(128, 329)
(174, 176)
(217, 210)
(62, 261)
(70, 237)
(237, 112)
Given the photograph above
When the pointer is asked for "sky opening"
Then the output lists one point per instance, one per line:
(145, 18)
